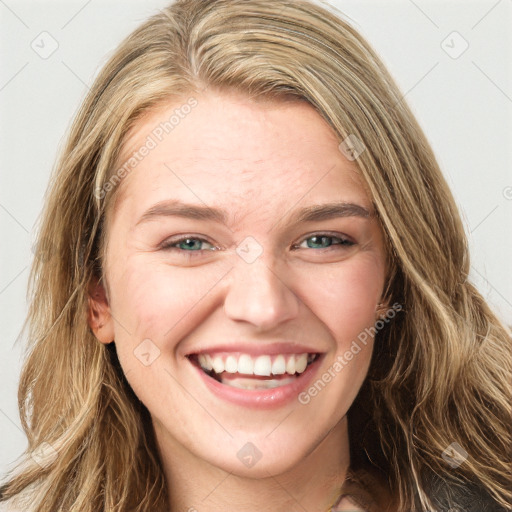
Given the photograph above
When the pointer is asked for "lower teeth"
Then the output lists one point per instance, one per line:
(242, 383)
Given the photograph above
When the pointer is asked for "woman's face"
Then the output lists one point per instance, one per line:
(265, 272)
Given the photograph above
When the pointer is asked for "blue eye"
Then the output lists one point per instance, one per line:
(188, 244)
(324, 241)
(191, 245)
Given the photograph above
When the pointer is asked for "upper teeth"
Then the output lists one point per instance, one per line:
(261, 365)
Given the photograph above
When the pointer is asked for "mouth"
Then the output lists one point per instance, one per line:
(246, 372)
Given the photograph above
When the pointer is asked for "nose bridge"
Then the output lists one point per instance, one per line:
(257, 293)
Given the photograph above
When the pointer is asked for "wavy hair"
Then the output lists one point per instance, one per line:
(440, 372)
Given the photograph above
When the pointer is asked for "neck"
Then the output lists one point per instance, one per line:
(313, 483)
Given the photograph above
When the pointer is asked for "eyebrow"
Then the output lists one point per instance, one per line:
(177, 208)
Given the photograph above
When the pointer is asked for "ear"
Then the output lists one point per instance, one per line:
(381, 310)
(99, 318)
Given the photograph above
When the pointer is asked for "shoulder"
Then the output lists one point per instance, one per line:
(348, 504)
(364, 490)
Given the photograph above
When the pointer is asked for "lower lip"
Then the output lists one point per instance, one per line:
(262, 398)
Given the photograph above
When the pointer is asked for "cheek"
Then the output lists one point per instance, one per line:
(157, 303)
(154, 300)
(344, 297)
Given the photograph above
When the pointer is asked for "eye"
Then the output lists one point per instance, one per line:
(192, 244)
(185, 244)
(325, 241)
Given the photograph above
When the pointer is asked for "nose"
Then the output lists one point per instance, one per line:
(259, 295)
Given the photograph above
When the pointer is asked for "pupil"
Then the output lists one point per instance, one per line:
(190, 242)
(321, 238)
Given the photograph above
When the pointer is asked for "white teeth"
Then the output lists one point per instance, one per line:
(231, 364)
(218, 364)
(205, 361)
(245, 364)
(279, 365)
(290, 365)
(263, 365)
(301, 362)
(257, 384)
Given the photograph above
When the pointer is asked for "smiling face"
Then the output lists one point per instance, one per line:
(255, 269)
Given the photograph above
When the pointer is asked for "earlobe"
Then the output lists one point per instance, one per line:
(381, 310)
(99, 318)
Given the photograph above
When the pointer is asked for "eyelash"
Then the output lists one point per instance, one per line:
(169, 244)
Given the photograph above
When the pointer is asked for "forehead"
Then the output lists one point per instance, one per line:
(231, 150)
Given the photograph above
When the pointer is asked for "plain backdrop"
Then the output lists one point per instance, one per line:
(451, 59)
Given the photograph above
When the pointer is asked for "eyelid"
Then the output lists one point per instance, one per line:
(332, 234)
(168, 242)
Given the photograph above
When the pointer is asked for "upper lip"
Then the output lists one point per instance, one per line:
(256, 348)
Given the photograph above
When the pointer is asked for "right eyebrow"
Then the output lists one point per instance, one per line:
(177, 208)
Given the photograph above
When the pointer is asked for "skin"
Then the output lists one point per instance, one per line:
(261, 162)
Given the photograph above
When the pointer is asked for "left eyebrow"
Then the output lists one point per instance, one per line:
(328, 211)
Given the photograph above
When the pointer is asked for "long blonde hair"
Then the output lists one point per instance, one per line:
(440, 372)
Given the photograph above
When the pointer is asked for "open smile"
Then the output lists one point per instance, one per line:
(256, 381)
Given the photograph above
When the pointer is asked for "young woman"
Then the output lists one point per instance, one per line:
(251, 290)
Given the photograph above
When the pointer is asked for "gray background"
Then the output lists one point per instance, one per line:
(463, 102)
